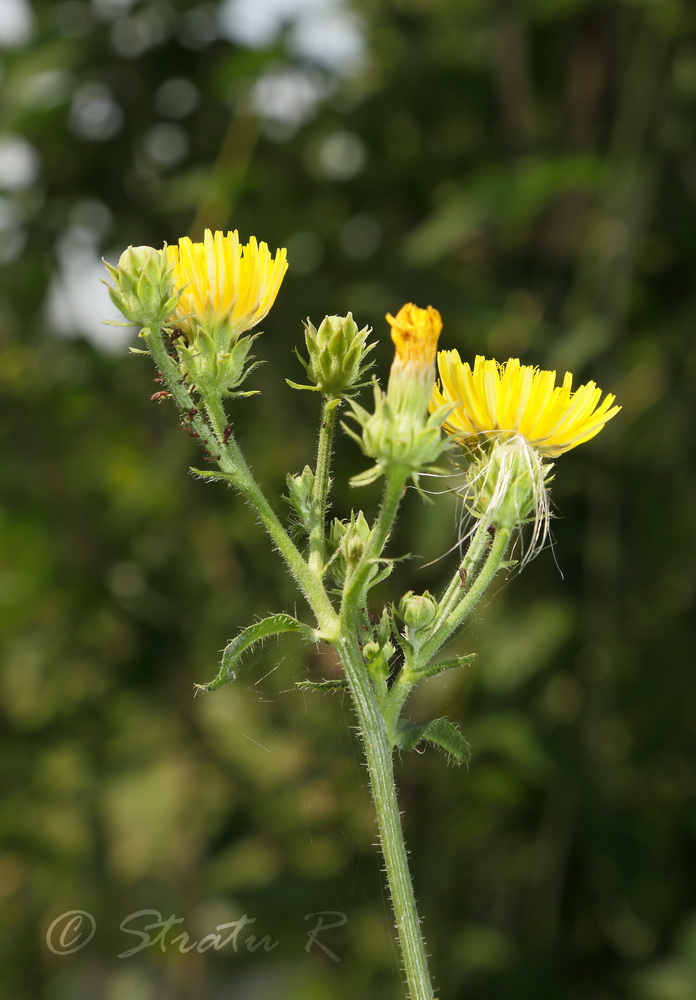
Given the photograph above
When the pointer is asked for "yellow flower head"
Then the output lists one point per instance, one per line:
(222, 280)
(519, 399)
(415, 333)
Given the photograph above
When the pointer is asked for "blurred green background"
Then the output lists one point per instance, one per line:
(528, 167)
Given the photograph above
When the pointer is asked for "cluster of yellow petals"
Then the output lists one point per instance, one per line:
(521, 399)
(223, 280)
(415, 333)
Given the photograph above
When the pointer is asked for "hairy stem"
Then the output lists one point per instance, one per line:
(354, 589)
(378, 752)
(223, 449)
(451, 621)
(377, 742)
(317, 533)
(464, 576)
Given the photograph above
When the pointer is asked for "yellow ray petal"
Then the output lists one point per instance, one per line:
(514, 398)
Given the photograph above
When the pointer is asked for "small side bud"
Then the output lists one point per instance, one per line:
(299, 495)
(337, 353)
(418, 610)
(384, 628)
(348, 540)
(377, 659)
(371, 651)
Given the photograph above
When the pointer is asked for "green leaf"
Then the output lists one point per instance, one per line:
(440, 732)
(296, 385)
(208, 474)
(335, 685)
(383, 573)
(383, 632)
(433, 669)
(248, 637)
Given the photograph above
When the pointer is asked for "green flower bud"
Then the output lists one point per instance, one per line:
(384, 628)
(371, 651)
(348, 540)
(418, 610)
(377, 659)
(337, 353)
(399, 432)
(143, 289)
(299, 496)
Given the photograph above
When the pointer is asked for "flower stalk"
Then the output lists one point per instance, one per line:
(379, 756)
(320, 490)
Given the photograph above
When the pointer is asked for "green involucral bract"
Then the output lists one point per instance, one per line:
(404, 439)
(216, 360)
(143, 289)
(337, 356)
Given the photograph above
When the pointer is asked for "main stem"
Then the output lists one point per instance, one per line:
(378, 753)
(379, 750)
(375, 729)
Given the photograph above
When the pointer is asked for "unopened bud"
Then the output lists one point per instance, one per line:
(418, 610)
(348, 539)
(371, 651)
(399, 431)
(415, 333)
(300, 489)
(337, 355)
(143, 289)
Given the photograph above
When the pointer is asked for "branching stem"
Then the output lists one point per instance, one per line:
(377, 720)
(450, 622)
(223, 448)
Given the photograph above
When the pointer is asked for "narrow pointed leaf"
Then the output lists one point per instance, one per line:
(297, 385)
(437, 668)
(446, 736)
(208, 474)
(440, 732)
(248, 637)
(334, 685)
